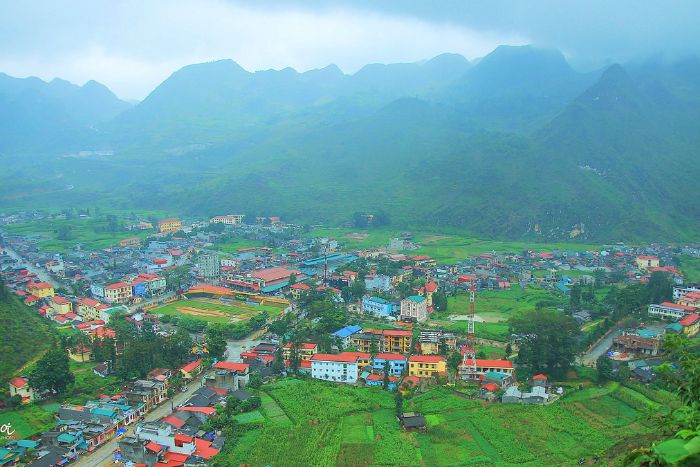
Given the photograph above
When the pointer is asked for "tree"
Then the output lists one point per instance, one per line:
(454, 360)
(548, 340)
(440, 300)
(359, 220)
(64, 232)
(398, 399)
(509, 350)
(604, 367)
(52, 372)
(255, 381)
(385, 382)
(112, 223)
(659, 288)
(216, 340)
(292, 279)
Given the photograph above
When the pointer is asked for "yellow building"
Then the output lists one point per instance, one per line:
(80, 353)
(169, 225)
(40, 289)
(118, 293)
(89, 309)
(646, 262)
(305, 351)
(387, 340)
(426, 366)
(60, 305)
(691, 324)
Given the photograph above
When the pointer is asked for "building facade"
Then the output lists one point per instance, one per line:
(414, 308)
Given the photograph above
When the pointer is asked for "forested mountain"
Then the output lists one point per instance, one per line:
(35, 114)
(516, 144)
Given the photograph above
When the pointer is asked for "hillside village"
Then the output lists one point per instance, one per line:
(309, 307)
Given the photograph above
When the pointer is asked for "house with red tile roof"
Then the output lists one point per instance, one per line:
(20, 387)
(192, 369)
(691, 324)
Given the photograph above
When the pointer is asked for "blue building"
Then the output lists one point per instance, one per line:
(376, 306)
(378, 380)
(379, 283)
(397, 363)
(345, 333)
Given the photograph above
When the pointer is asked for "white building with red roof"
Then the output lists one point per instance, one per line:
(20, 387)
(339, 368)
(670, 310)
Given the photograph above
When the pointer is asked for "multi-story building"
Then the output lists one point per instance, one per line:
(670, 310)
(169, 225)
(397, 363)
(680, 290)
(691, 324)
(376, 306)
(265, 280)
(130, 242)
(432, 341)
(89, 309)
(40, 289)
(426, 366)
(690, 299)
(305, 350)
(148, 393)
(484, 366)
(229, 376)
(118, 293)
(149, 284)
(340, 368)
(414, 308)
(61, 305)
(229, 219)
(645, 262)
(208, 266)
(385, 340)
(641, 341)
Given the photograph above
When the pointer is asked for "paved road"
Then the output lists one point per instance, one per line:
(41, 273)
(104, 455)
(589, 358)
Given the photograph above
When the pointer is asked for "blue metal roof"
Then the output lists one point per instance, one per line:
(347, 331)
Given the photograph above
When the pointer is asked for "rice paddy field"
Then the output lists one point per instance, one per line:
(445, 247)
(216, 311)
(309, 422)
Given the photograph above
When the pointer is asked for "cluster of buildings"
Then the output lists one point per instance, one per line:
(174, 440)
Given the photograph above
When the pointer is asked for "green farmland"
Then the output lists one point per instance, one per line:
(90, 233)
(348, 426)
(449, 247)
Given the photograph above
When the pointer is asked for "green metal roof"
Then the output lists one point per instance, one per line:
(416, 298)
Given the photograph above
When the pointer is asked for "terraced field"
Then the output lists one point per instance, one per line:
(337, 425)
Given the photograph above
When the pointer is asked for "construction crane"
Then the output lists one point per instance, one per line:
(469, 348)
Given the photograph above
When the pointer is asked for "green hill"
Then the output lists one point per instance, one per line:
(25, 335)
(517, 145)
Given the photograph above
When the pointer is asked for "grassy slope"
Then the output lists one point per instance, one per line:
(691, 268)
(25, 335)
(337, 425)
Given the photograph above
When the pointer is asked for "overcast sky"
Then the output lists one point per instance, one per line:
(131, 46)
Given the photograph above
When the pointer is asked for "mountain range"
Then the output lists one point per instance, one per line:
(514, 145)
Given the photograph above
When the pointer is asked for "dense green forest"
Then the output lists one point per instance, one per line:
(25, 335)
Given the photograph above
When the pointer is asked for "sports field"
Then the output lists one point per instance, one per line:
(216, 311)
(341, 425)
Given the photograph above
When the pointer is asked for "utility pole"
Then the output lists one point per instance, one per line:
(469, 349)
